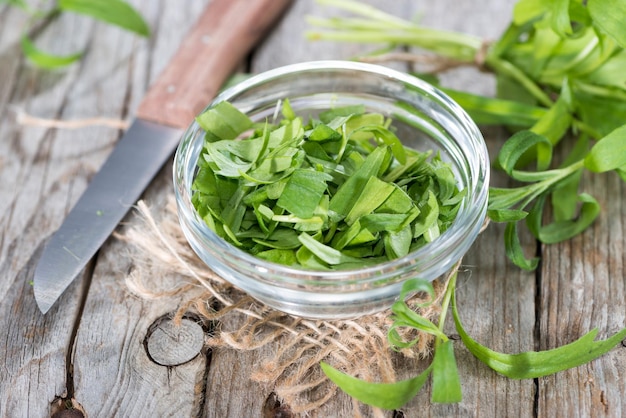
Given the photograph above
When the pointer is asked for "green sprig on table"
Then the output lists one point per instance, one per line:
(443, 372)
(560, 81)
(115, 12)
(561, 85)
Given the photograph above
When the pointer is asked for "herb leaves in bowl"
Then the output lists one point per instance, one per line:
(338, 191)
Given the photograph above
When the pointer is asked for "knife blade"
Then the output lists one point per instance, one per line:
(218, 42)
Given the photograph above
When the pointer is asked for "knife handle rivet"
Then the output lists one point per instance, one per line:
(171, 88)
(205, 39)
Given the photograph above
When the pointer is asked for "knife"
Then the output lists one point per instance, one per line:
(219, 41)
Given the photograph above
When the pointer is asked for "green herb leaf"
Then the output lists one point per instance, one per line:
(348, 193)
(506, 215)
(382, 395)
(373, 195)
(608, 153)
(533, 364)
(303, 192)
(116, 12)
(559, 16)
(446, 382)
(514, 250)
(223, 121)
(405, 317)
(493, 111)
(563, 230)
(609, 15)
(324, 252)
(45, 60)
(516, 146)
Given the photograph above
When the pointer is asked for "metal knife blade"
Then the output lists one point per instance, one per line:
(224, 34)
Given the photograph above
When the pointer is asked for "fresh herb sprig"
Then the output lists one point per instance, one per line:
(443, 372)
(115, 12)
(560, 79)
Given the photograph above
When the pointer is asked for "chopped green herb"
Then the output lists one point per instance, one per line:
(338, 192)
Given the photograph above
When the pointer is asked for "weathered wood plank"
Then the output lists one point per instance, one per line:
(111, 341)
(582, 288)
(36, 185)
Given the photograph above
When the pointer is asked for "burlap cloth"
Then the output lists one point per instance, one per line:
(166, 266)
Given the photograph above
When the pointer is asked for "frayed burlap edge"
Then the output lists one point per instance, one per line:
(166, 266)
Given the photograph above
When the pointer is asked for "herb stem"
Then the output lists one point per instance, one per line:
(446, 300)
(510, 70)
(541, 186)
(601, 91)
(586, 128)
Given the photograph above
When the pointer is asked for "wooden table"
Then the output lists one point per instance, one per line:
(90, 346)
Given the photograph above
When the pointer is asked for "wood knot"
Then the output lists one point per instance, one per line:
(273, 408)
(169, 343)
(67, 408)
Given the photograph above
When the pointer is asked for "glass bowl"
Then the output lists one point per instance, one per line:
(425, 119)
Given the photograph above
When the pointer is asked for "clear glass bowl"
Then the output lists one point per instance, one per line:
(425, 119)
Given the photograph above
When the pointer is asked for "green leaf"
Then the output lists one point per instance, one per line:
(611, 73)
(608, 153)
(491, 111)
(115, 12)
(374, 194)
(564, 198)
(503, 198)
(285, 257)
(381, 395)
(45, 60)
(287, 110)
(388, 138)
(527, 10)
(514, 250)
(563, 230)
(601, 109)
(323, 133)
(516, 146)
(405, 317)
(556, 121)
(303, 192)
(534, 364)
(506, 215)
(398, 243)
(609, 16)
(349, 191)
(446, 384)
(559, 16)
(324, 252)
(412, 286)
(223, 121)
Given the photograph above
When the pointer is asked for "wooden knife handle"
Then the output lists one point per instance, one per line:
(222, 37)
